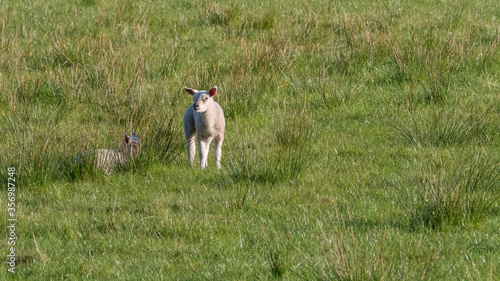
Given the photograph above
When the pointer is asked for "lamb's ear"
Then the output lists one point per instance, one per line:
(190, 91)
(212, 92)
(133, 136)
(126, 138)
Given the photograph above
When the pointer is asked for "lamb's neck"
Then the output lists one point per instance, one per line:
(207, 117)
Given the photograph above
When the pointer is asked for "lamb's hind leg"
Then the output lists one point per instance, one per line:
(218, 150)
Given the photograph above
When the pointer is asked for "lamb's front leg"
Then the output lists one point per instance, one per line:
(204, 144)
(191, 147)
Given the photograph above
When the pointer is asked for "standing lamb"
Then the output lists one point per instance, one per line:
(205, 118)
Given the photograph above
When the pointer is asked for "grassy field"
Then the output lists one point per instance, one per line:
(362, 139)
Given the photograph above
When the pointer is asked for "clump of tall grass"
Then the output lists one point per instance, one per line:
(266, 164)
(454, 193)
(329, 89)
(275, 262)
(337, 91)
(294, 128)
(438, 126)
(428, 57)
(216, 14)
(162, 142)
(346, 256)
(276, 254)
(36, 143)
(242, 93)
(234, 19)
(276, 159)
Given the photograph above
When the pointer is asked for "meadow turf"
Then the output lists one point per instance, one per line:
(362, 139)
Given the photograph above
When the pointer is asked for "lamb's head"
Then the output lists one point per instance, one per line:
(130, 145)
(201, 99)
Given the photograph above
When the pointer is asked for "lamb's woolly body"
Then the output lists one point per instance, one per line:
(204, 119)
(108, 159)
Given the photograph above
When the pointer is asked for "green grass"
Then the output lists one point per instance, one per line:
(361, 139)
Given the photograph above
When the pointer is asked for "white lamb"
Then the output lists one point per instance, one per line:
(205, 118)
(108, 159)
